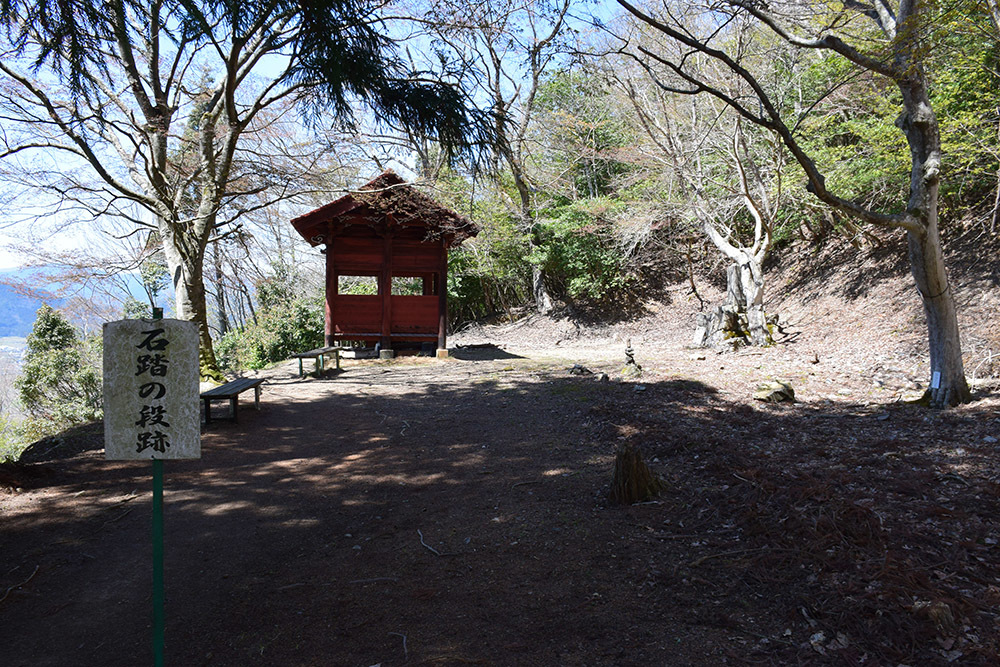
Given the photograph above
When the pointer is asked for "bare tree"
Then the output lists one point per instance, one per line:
(150, 110)
(899, 58)
(718, 183)
(508, 45)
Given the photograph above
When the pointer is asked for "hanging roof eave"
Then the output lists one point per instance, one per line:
(385, 201)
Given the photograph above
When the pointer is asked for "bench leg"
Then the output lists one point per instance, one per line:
(300, 366)
(208, 411)
(336, 354)
(320, 366)
(256, 398)
(234, 403)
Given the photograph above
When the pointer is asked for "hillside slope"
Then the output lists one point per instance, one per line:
(856, 310)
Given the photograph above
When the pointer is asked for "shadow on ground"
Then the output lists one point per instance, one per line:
(456, 514)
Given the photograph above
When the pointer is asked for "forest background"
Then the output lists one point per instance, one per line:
(595, 184)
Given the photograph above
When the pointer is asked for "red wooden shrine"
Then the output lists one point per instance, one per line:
(389, 231)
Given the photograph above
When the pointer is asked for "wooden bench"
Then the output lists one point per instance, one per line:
(319, 354)
(231, 392)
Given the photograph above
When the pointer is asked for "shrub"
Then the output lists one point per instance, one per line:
(60, 382)
(285, 324)
(581, 256)
(489, 274)
(11, 441)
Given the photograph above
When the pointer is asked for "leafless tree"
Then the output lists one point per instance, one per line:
(507, 46)
(717, 183)
(846, 31)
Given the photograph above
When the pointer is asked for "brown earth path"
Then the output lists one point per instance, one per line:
(392, 514)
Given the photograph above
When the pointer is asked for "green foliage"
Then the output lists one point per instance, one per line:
(490, 273)
(964, 96)
(133, 309)
(407, 286)
(12, 444)
(852, 131)
(286, 323)
(155, 276)
(580, 254)
(50, 332)
(60, 382)
(584, 132)
(852, 135)
(279, 290)
(358, 285)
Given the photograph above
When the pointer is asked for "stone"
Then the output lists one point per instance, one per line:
(151, 388)
(775, 391)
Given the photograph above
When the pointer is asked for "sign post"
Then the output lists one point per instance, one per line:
(151, 411)
(159, 614)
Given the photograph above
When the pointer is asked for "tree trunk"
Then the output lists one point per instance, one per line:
(220, 292)
(543, 302)
(185, 261)
(948, 386)
(995, 217)
(741, 319)
(752, 283)
(632, 481)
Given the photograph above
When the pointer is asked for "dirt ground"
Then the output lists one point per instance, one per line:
(455, 512)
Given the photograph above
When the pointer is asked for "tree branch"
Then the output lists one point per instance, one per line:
(817, 182)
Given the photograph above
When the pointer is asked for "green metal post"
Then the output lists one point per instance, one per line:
(158, 615)
(159, 619)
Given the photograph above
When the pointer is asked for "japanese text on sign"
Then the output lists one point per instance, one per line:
(151, 389)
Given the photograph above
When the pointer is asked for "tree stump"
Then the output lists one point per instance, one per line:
(633, 481)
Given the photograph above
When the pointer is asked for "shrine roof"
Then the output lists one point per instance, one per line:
(384, 203)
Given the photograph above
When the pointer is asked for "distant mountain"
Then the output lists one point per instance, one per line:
(17, 312)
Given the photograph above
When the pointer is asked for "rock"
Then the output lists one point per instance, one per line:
(700, 334)
(631, 371)
(603, 377)
(578, 369)
(775, 391)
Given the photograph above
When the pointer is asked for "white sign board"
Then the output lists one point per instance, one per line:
(151, 408)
